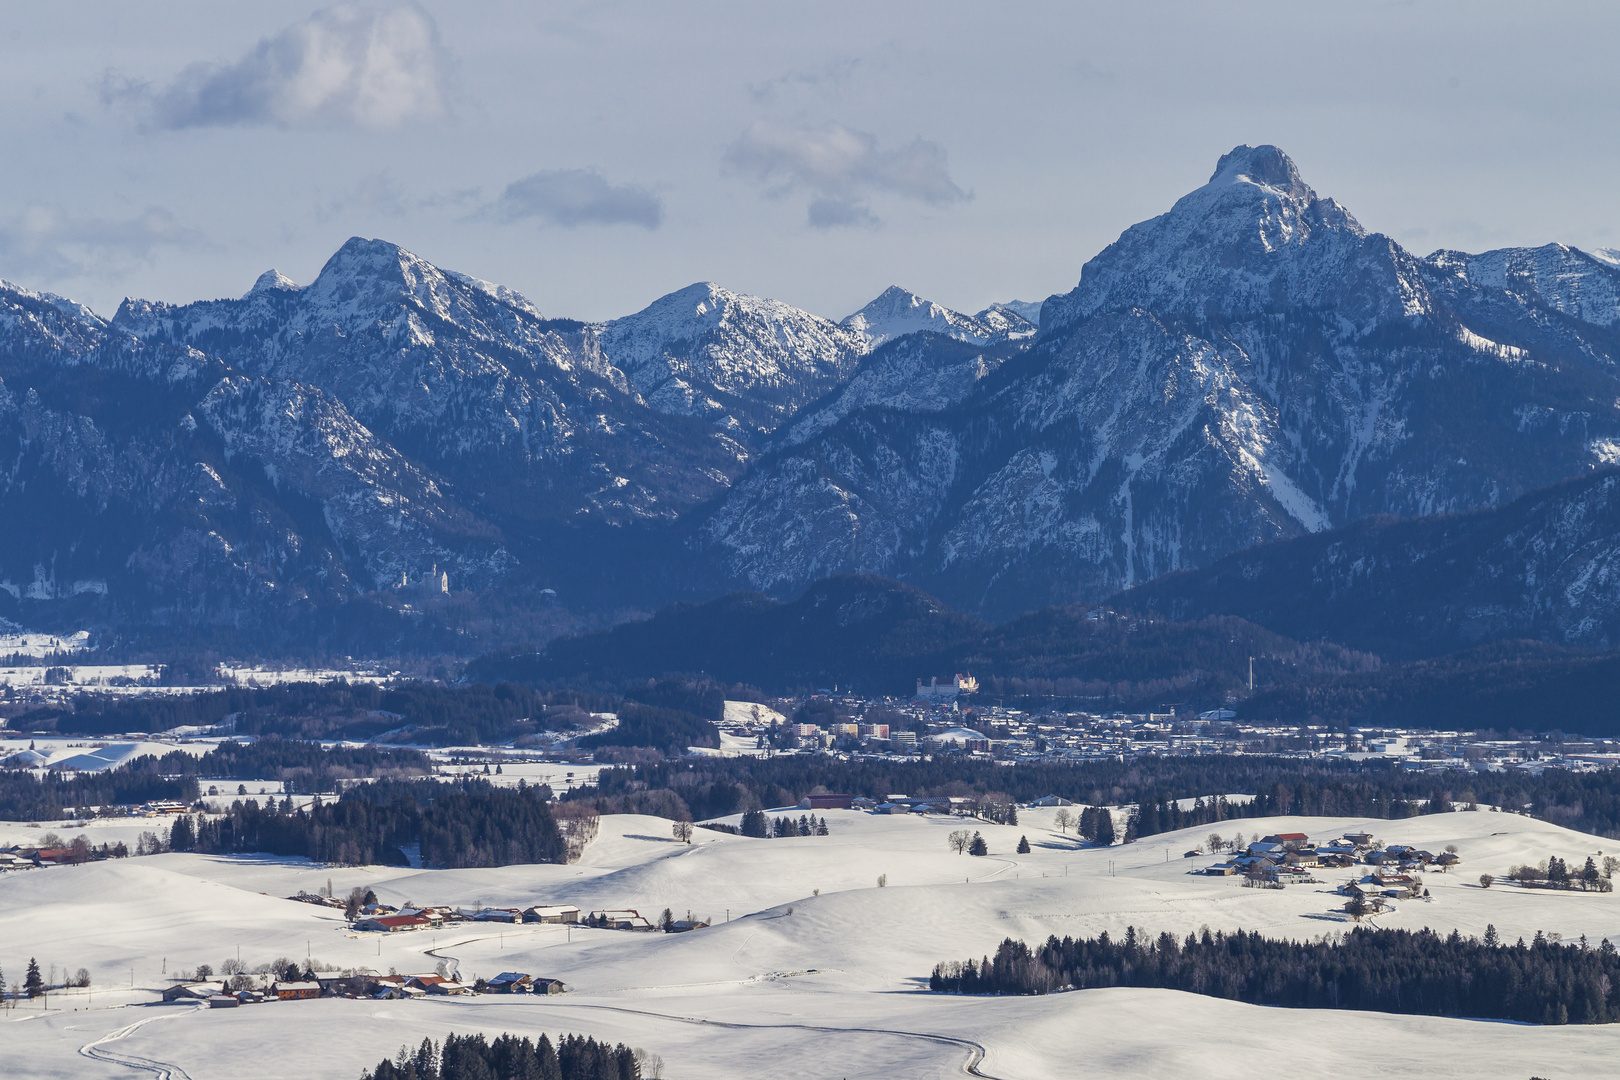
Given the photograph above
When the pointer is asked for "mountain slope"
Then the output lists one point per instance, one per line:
(1251, 365)
(1545, 566)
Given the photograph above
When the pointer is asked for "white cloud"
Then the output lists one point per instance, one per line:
(573, 197)
(841, 168)
(344, 66)
(45, 243)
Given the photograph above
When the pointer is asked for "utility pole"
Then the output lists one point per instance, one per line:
(1251, 674)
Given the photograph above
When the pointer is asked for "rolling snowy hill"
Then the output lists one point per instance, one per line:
(809, 964)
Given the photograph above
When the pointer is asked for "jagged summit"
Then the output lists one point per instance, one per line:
(1265, 165)
(1254, 239)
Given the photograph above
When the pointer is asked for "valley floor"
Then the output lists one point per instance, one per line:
(818, 972)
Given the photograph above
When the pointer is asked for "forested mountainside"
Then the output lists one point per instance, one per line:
(1545, 566)
(877, 636)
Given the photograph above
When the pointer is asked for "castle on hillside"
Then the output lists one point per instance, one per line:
(434, 583)
(947, 691)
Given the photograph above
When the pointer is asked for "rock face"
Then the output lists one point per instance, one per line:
(1544, 566)
(1250, 366)
(742, 362)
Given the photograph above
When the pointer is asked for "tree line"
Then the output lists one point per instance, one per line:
(514, 1057)
(435, 715)
(300, 766)
(715, 787)
(1383, 970)
(466, 823)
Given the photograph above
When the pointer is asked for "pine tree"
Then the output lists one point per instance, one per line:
(978, 846)
(182, 837)
(33, 985)
(1492, 938)
(1105, 827)
(1023, 845)
(755, 824)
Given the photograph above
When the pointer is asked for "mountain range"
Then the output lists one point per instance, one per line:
(303, 463)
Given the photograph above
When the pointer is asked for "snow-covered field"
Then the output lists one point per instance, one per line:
(818, 972)
(79, 754)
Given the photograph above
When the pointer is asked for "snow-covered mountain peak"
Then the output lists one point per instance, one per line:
(897, 312)
(1028, 310)
(1610, 256)
(1254, 239)
(272, 281)
(744, 361)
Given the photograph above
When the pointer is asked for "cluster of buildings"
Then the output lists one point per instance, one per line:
(386, 919)
(1291, 858)
(942, 719)
(391, 987)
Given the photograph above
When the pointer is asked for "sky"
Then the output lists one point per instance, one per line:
(597, 156)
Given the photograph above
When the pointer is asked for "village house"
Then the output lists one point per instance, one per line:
(517, 982)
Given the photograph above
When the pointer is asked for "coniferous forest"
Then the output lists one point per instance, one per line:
(510, 1057)
(1397, 971)
(714, 787)
(300, 766)
(469, 823)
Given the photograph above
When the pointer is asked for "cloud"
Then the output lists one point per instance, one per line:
(573, 197)
(831, 75)
(841, 168)
(47, 243)
(344, 66)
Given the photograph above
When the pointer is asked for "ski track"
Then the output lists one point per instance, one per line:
(975, 1050)
(160, 1069)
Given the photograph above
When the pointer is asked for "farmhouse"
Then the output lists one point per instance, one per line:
(511, 982)
(392, 924)
(827, 802)
(561, 913)
(296, 991)
(501, 915)
(627, 919)
(196, 991)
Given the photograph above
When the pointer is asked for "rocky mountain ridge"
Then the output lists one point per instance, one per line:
(1251, 366)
